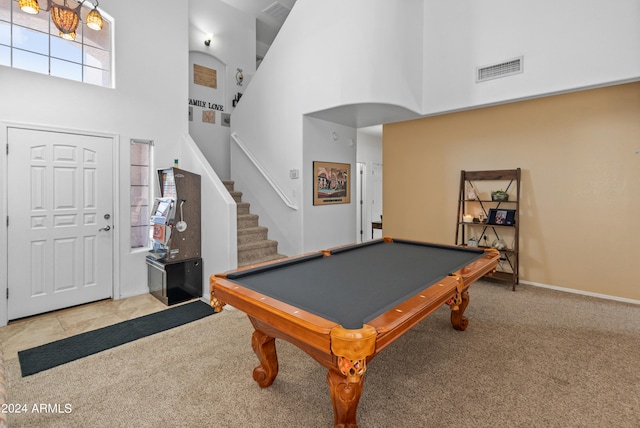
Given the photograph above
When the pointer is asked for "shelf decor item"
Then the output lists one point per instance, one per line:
(499, 244)
(502, 217)
(471, 194)
(499, 196)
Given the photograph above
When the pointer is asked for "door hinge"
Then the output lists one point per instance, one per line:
(7, 148)
(7, 221)
(7, 292)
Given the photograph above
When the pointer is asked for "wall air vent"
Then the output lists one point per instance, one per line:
(503, 69)
(277, 11)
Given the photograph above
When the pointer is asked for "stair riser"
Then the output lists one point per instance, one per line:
(257, 253)
(247, 238)
(246, 222)
(237, 196)
(243, 208)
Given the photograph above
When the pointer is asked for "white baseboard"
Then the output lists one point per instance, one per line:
(584, 293)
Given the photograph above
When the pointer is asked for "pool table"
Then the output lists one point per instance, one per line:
(344, 305)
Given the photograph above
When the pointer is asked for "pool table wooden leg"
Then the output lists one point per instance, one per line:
(345, 396)
(459, 321)
(265, 348)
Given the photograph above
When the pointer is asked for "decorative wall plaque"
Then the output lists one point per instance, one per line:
(205, 76)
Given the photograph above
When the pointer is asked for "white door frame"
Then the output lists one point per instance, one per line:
(4, 250)
(362, 209)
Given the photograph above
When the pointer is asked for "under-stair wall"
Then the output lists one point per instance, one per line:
(219, 243)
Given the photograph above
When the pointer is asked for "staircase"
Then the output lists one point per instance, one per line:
(253, 243)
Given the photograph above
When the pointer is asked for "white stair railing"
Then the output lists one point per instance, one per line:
(264, 173)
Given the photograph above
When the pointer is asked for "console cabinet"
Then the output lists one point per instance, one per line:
(174, 282)
(490, 219)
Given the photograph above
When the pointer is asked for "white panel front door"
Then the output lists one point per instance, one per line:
(60, 234)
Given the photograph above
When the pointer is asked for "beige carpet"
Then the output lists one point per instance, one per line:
(530, 358)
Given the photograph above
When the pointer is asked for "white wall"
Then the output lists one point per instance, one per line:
(363, 61)
(211, 138)
(327, 54)
(329, 225)
(147, 103)
(567, 45)
(234, 39)
(233, 47)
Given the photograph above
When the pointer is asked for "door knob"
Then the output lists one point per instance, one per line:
(106, 229)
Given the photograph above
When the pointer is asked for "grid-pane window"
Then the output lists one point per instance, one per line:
(63, 49)
(32, 42)
(140, 192)
(5, 33)
(5, 56)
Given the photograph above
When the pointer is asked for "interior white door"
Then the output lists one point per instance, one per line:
(376, 194)
(360, 207)
(60, 233)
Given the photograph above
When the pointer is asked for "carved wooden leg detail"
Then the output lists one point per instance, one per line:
(459, 321)
(265, 348)
(345, 396)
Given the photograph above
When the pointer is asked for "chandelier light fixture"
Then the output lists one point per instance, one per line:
(65, 17)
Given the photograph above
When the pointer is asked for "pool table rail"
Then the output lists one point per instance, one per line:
(395, 322)
(280, 316)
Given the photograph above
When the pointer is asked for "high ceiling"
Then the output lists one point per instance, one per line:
(270, 15)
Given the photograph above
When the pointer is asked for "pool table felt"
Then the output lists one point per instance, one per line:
(359, 283)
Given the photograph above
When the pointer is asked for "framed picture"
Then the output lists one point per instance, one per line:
(209, 116)
(226, 119)
(331, 183)
(501, 217)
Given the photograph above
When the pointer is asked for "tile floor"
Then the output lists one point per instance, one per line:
(40, 329)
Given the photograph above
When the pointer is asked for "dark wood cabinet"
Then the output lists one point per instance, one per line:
(489, 216)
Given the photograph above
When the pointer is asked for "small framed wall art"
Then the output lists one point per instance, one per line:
(209, 116)
(331, 183)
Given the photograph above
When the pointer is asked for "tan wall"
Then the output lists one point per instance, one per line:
(580, 204)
